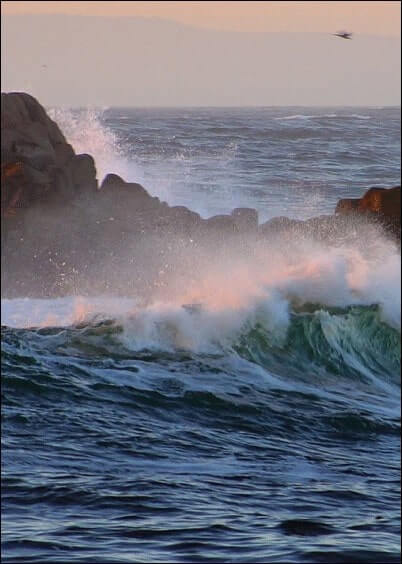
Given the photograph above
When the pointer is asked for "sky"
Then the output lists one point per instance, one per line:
(380, 18)
(202, 53)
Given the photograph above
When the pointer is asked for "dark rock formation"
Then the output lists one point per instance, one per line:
(347, 205)
(246, 219)
(63, 235)
(278, 225)
(37, 163)
(380, 204)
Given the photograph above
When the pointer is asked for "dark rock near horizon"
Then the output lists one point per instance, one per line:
(380, 204)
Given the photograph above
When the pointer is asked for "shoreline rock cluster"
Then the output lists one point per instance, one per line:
(62, 233)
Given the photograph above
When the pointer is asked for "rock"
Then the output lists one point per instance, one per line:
(83, 173)
(63, 153)
(184, 220)
(246, 220)
(181, 213)
(48, 169)
(347, 205)
(278, 225)
(381, 204)
(226, 224)
(21, 113)
(386, 202)
(112, 181)
(115, 182)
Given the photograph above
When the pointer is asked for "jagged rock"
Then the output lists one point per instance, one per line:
(382, 204)
(126, 198)
(48, 169)
(386, 202)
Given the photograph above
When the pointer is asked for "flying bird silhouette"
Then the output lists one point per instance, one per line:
(344, 34)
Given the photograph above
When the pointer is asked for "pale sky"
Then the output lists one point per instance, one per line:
(380, 18)
(202, 53)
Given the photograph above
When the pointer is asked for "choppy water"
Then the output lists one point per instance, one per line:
(260, 426)
(283, 161)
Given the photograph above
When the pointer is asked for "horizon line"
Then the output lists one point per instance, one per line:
(105, 106)
(220, 107)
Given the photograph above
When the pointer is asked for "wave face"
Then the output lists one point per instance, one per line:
(200, 431)
(249, 411)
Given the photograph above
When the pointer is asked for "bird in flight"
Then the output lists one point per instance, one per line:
(344, 34)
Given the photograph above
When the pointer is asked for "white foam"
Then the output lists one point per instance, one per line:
(294, 116)
(359, 116)
(320, 116)
(237, 292)
(60, 312)
(169, 326)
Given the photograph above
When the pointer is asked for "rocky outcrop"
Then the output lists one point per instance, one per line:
(64, 234)
(245, 219)
(380, 204)
(37, 163)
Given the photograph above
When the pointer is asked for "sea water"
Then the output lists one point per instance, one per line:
(255, 418)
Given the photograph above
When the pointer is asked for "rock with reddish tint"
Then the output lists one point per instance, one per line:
(386, 202)
(38, 164)
(347, 205)
(382, 205)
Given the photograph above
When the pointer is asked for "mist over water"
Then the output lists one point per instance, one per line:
(85, 131)
(215, 159)
(248, 410)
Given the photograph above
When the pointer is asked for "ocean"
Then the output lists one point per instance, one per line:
(255, 420)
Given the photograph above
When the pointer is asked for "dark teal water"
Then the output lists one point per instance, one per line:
(261, 426)
(256, 453)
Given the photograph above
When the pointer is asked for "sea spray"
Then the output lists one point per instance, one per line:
(307, 273)
(86, 131)
(314, 307)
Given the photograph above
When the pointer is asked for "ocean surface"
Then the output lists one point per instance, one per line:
(258, 423)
